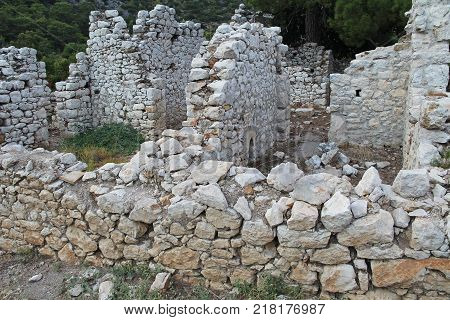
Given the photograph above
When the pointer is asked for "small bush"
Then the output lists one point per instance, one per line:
(444, 162)
(112, 143)
(270, 288)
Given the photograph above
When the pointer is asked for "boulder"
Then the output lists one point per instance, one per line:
(412, 183)
(210, 171)
(249, 177)
(427, 234)
(370, 180)
(303, 217)
(359, 208)
(372, 229)
(336, 214)
(315, 189)
(284, 176)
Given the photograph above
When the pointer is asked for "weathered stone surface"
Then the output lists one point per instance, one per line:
(379, 252)
(401, 218)
(284, 176)
(303, 275)
(370, 180)
(427, 234)
(303, 217)
(412, 183)
(336, 213)
(223, 219)
(210, 171)
(137, 252)
(372, 229)
(405, 272)
(257, 255)
(315, 189)
(359, 208)
(205, 230)
(171, 147)
(72, 177)
(257, 233)
(249, 177)
(117, 201)
(339, 278)
(180, 258)
(161, 282)
(212, 196)
(242, 275)
(109, 249)
(243, 208)
(335, 254)
(146, 210)
(303, 239)
(105, 290)
(67, 255)
(79, 238)
(185, 210)
(132, 228)
(96, 224)
(275, 215)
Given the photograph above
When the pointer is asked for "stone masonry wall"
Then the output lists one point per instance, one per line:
(136, 78)
(24, 97)
(238, 96)
(215, 223)
(428, 103)
(309, 67)
(368, 100)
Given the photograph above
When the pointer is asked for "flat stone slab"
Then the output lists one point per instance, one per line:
(72, 177)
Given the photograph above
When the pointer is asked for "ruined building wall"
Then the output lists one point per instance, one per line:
(214, 223)
(368, 99)
(309, 67)
(24, 97)
(428, 104)
(238, 96)
(135, 78)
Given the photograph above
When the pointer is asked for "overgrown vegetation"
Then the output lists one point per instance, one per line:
(444, 162)
(112, 143)
(269, 288)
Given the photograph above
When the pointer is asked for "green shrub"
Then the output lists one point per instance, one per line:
(269, 288)
(112, 143)
(444, 162)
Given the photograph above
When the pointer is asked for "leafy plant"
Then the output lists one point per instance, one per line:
(269, 288)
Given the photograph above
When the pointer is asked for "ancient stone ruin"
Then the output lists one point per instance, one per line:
(187, 202)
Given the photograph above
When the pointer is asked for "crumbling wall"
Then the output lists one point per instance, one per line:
(215, 223)
(428, 103)
(309, 67)
(136, 78)
(24, 97)
(368, 100)
(238, 96)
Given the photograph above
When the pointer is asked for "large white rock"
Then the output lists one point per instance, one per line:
(185, 210)
(210, 171)
(249, 176)
(223, 219)
(303, 216)
(316, 189)
(243, 208)
(171, 147)
(309, 239)
(105, 290)
(117, 201)
(146, 210)
(212, 196)
(427, 234)
(370, 180)
(412, 183)
(359, 208)
(372, 229)
(284, 176)
(401, 218)
(336, 214)
(257, 233)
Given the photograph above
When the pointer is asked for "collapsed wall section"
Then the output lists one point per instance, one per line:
(24, 97)
(368, 100)
(238, 96)
(428, 104)
(309, 67)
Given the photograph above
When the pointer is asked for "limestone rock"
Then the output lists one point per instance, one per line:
(334, 254)
(117, 201)
(340, 278)
(223, 219)
(109, 249)
(185, 210)
(79, 238)
(257, 233)
(139, 252)
(105, 290)
(146, 210)
(243, 208)
(254, 255)
(132, 228)
(359, 208)
(370, 180)
(372, 229)
(336, 214)
(379, 252)
(303, 275)
(303, 239)
(401, 218)
(303, 217)
(72, 177)
(171, 147)
(161, 282)
(210, 171)
(249, 176)
(412, 183)
(427, 234)
(212, 196)
(284, 176)
(180, 258)
(205, 230)
(315, 189)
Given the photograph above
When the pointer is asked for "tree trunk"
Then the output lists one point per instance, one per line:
(312, 24)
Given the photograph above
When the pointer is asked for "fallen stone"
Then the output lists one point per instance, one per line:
(76, 291)
(249, 177)
(161, 282)
(105, 290)
(210, 171)
(72, 177)
(348, 170)
(171, 147)
(212, 196)
(36, 278)
(370, 180)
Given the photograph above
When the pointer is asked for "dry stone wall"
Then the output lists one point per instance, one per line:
(399, 95)
(24, 97)
(368, 101)
(238, 96)
(214, 223)
(309, 67)
(428, 102)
